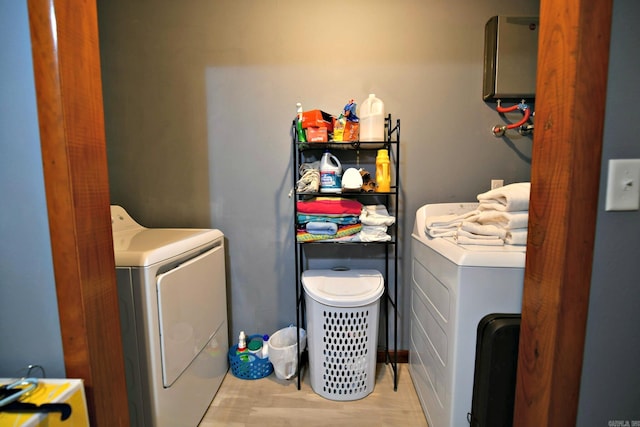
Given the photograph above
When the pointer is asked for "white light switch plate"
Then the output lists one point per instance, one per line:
(623, 185)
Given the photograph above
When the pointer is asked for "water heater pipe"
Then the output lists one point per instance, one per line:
(498, 130)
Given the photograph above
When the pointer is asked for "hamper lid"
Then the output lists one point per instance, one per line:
(343, 288)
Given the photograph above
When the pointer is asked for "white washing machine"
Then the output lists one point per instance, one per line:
(173, 311)
(452, 288)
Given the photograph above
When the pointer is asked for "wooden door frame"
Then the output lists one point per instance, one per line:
(573, 58)
(571, 94)
(66, 62)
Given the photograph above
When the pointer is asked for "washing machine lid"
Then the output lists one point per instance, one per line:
(343, 288)
(138, 246)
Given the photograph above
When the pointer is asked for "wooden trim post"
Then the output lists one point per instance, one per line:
(573, 54)
(66, 60)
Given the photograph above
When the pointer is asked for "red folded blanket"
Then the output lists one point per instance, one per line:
(329, 206)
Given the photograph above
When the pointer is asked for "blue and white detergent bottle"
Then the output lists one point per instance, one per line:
(330, 173)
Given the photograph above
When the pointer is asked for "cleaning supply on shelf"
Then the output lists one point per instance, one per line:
(383, 175)
(330, 173)
(372, 119)
(347, 125)
(349, 111)
(338, 128)
(299, 130)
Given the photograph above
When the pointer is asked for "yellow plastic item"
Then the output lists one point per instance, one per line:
(383, 174)
(70, 391)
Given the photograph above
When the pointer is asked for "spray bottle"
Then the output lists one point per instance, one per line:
(300, 131)
(242, 343)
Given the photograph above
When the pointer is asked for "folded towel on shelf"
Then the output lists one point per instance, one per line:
(376, 215)
(516, 237)
(483, 229)
(511, 197)
(366, 236)
(373, 233)
(505, 220)
(462, 239)
(346, 230)
(337, 219)
(317, 227)
(329, 206)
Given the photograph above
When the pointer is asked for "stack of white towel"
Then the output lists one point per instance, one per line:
(375, 220)
(501, 218)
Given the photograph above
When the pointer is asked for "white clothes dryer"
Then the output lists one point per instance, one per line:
(173, 315)
(452, 288)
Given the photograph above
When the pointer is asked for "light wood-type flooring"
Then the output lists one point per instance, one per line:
(270, 402)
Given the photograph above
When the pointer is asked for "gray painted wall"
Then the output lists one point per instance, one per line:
(199, 98)
(29, 324)
(610, 388)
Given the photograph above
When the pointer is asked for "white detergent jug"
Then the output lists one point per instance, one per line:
(330, 173)
(372, 119)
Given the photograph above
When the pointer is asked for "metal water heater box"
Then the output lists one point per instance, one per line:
(510, 58)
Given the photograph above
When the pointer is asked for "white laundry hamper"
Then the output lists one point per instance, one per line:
(342, 331)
